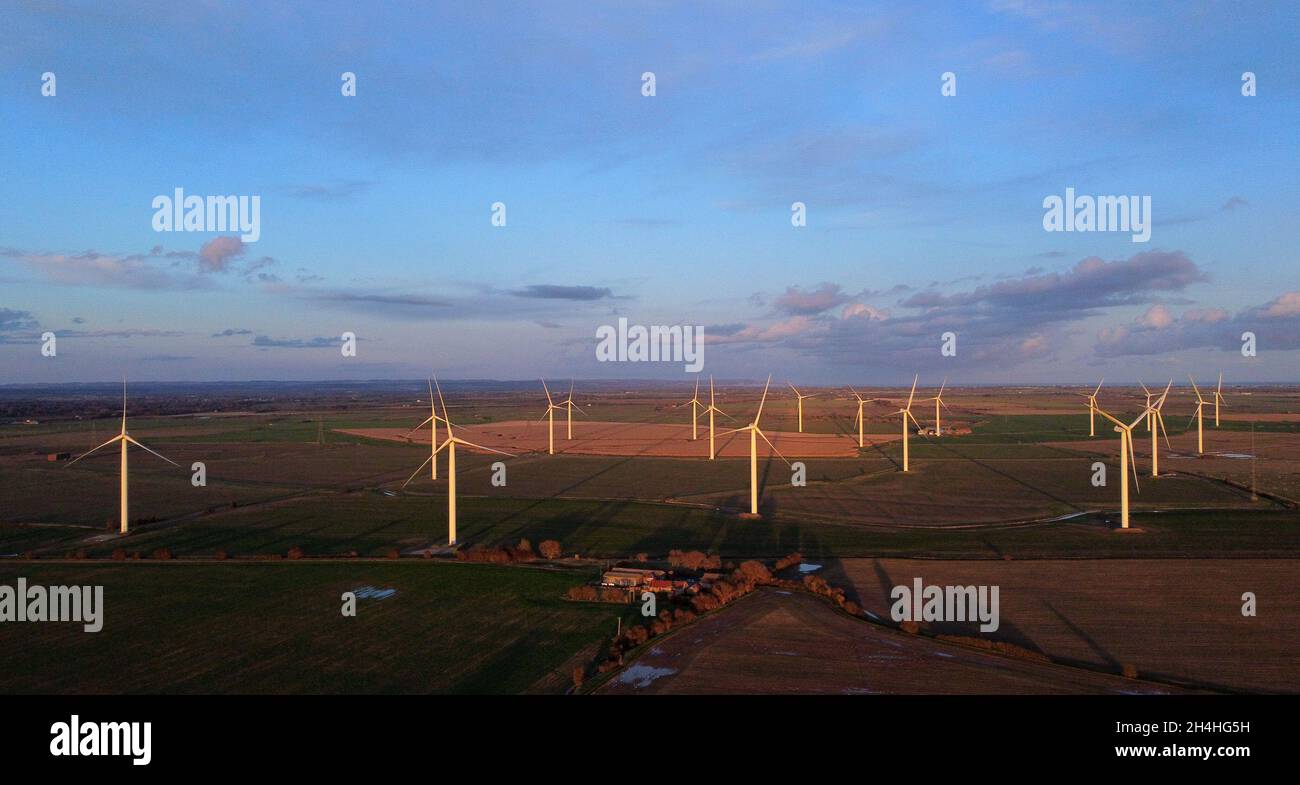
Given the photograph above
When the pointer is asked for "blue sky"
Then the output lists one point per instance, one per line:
(924, 211)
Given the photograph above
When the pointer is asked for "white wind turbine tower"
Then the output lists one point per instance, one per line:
(907, 412)
(1150, 412)
(1199, 416)
(449, 444)
(551, 406)
(1126, 457)
(569, 405)
(1154, 412)
(801, 396)
(433, 433)
(1092, 408)
(125, 438)
(754, 434)
(712, 410)
(938, 401)
(859, 419)
(695, 404)
(1218, 399)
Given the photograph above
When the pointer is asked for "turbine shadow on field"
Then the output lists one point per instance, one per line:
(1085, 637)
(1011, 477)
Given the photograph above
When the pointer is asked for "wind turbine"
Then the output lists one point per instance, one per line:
(433, 433)
(907, 412)
(695, 404)
(1218, 398)
(1125, 457)
(938, 399)
(754, 434)
(1150, 415)
(861, 421)
(569, 405)
(125, 438)
(1199, 416)
(1153, 413)
(801, 397)
(712, 410)
(449, 444)
(1092, 408)
(551, 406)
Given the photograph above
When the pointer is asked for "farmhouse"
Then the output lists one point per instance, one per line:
(629, 578)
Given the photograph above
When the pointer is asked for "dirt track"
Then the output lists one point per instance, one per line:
(793, 643)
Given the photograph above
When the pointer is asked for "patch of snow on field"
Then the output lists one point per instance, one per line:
(806, 567)
(371, 593)
(641, 676)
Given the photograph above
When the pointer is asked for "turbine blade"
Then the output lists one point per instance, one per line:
(1141, 417)
(100, 447)
(472, 445)
(146, 449)
(773, 446)
(736, 430)
(1099, 383)
(446, 415)
(417, 471)
(548, 393)
(913, 392)
(1106, 414)
(1132, 460)
(762, 400)
(1160, 420)
(427, 420)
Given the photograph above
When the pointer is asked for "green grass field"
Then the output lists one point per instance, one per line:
(277, 628)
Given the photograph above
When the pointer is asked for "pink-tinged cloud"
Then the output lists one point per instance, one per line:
(863, 311)
(92, 268)
(215, 255)
(780, 331)
(1034, 346)
(1286, 306)
(797, 301)
(1207, 315)
(1157, 317)
(1276, 322)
